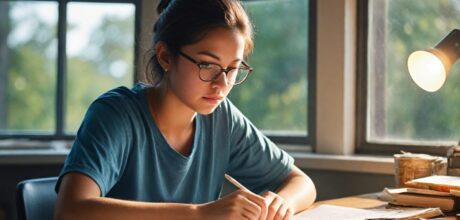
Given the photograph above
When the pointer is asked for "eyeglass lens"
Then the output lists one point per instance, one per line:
(211, 72)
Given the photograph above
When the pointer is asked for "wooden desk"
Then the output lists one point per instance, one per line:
(365, 201)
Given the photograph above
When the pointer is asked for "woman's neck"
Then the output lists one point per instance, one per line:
(171, 115)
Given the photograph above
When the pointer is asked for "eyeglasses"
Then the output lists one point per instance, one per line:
(209, 72)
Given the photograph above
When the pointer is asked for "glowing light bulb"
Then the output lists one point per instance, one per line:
(427, 70)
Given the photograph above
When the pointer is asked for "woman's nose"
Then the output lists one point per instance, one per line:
(221, 80)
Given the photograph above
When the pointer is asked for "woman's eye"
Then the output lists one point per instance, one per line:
(205, 65)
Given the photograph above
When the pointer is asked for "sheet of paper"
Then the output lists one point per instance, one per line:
(326, 212)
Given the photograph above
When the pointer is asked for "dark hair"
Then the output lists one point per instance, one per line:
(184, 22)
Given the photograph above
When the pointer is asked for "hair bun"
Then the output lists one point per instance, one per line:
(163, 5)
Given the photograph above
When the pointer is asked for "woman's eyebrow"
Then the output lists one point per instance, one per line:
(207, 53)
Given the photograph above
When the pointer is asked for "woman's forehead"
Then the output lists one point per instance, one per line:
(220, 41)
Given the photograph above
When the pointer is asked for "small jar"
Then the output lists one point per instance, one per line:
(409, 166)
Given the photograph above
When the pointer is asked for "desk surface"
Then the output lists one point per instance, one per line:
(365, 201)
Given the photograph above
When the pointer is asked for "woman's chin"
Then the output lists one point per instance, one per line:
(206, 110)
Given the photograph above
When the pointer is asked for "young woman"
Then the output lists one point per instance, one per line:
(161, 151)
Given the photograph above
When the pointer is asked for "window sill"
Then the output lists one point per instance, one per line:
(306, 159)
(33, 156)
(352, 163)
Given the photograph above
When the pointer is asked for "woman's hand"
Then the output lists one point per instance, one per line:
(278, 208)
(240, 204)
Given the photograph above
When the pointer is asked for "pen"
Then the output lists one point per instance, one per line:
(236, 183)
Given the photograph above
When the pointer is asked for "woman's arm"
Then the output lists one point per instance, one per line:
(296, 194)
(79, 198)
(298, 190)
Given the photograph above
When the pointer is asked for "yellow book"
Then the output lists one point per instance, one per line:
(438, 183)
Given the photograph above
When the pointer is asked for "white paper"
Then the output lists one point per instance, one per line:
(327, 212)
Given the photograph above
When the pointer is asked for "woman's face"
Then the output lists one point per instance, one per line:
(220, 46)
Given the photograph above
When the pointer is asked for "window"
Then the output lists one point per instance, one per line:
(278, 96)
(398, 114)
(56, 57)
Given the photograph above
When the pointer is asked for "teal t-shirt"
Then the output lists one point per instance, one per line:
(119, 146)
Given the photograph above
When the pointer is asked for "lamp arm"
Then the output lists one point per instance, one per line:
(450, 45)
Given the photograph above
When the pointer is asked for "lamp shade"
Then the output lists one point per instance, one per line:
(429, 68)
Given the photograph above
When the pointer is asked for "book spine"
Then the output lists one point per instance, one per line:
(440, 188)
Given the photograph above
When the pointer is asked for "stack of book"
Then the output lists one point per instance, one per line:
(432, 191)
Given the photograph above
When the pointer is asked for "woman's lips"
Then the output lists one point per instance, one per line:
(213, 99)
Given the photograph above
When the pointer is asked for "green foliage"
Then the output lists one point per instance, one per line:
(32, 75)
(274, 97)
(90, 75)
(30, 98)
(104, 63)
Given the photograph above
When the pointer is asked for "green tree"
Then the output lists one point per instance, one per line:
(275, 96)
(31, 92)
(31, 76)
(4, 30)
(110, 65)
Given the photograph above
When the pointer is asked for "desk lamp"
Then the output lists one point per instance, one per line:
(429, 68)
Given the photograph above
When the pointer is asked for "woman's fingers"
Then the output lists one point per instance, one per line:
(289, 214)
(252, 210)
(259, 201)
(273, 208)
(278, 208)
(254, 207)
(246, 205)
(281, 212)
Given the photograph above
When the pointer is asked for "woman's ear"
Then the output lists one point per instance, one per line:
(163, 55)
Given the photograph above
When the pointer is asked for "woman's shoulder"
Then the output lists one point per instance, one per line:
(120, 109)
(122, 95)
(123, 92)
(121, 99)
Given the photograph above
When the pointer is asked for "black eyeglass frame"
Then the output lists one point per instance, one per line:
(226, 70)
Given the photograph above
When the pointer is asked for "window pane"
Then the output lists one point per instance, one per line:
(274, 97)
(28, 55)
(397, 109)
(100, 54)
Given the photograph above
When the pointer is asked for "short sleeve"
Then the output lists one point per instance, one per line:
(255, 160)
(100, 150)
